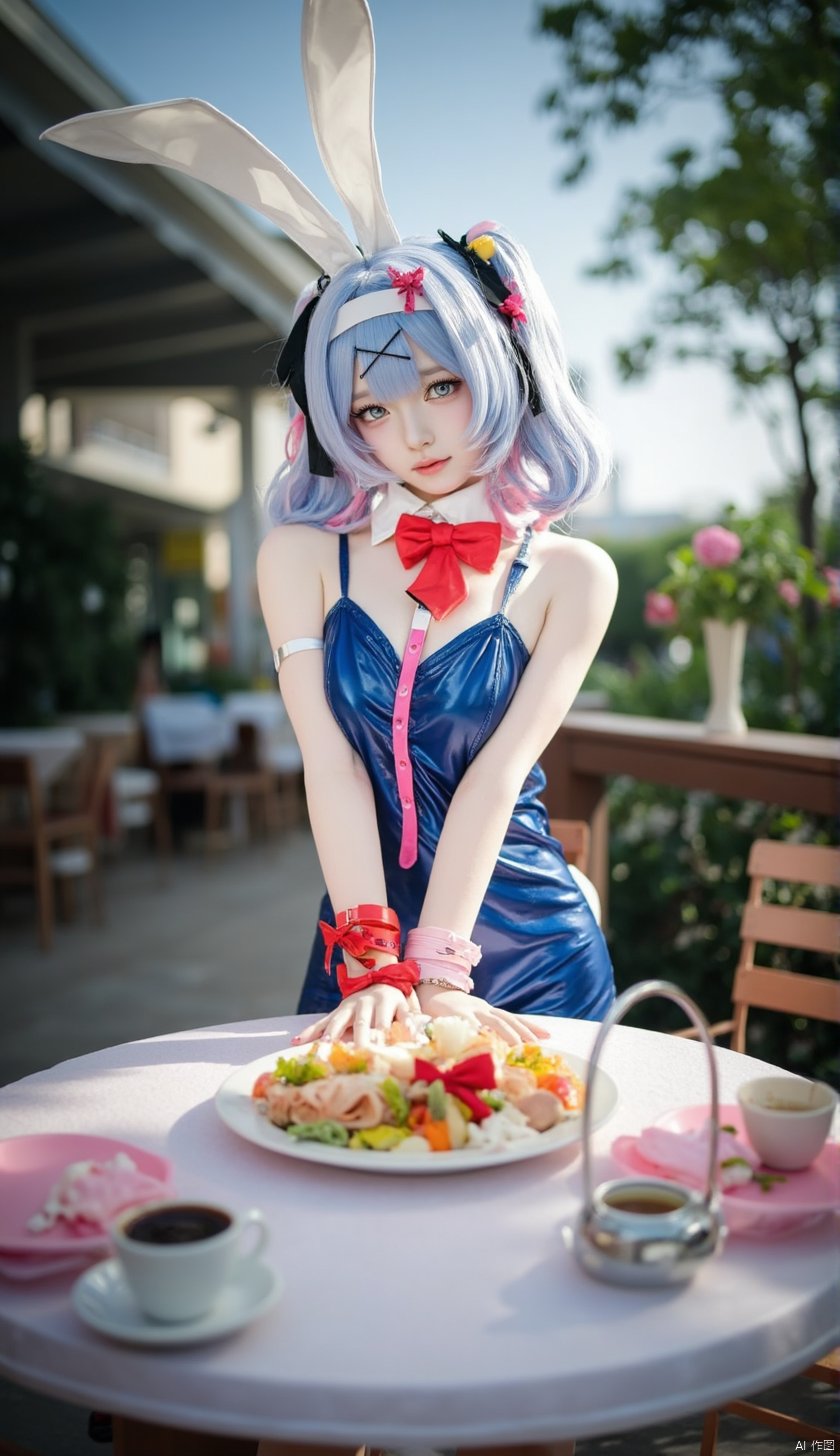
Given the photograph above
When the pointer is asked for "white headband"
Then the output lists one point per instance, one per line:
(373, 305)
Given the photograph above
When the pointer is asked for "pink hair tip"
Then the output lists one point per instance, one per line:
(479, 228)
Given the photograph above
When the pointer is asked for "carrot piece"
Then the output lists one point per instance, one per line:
(418, 1115)
(437, 1136)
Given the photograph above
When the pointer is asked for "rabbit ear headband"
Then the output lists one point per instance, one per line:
(193, 137)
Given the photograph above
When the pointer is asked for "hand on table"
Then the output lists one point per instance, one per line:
(511, 1028)
(377, 1006)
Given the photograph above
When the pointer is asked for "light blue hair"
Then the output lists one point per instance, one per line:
(537, 467)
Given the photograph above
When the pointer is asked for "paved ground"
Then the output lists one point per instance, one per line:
(210, 946)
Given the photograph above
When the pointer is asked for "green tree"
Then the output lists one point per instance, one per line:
(745, 221)
(64, 643)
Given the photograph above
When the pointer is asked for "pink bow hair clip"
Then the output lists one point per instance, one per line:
(408, 284)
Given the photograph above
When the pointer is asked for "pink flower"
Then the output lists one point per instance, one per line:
(660, 609)
(832, 576)
(789, 592)
(715, 546)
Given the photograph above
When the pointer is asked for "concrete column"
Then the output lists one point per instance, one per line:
(243, 528)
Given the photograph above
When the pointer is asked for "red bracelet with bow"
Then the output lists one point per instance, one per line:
(463, 1080)
(402, 975)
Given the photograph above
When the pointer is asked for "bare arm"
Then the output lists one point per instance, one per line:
(338, 791)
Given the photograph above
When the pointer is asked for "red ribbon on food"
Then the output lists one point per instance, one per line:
(440, 585)
(463, 1080)
(402, 975)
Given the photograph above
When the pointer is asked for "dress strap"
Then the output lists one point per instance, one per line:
(518, 568)
(344, 563)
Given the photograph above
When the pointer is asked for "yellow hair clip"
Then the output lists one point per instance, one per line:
(484, 246)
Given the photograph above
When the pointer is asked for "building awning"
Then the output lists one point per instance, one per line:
(120, 276)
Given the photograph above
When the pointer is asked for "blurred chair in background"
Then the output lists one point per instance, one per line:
(576, 838)
(38, 847)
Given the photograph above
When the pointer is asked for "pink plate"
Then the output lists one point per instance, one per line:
(29, 1166)
(802, 1199)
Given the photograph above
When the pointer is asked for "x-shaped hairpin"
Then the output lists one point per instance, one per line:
(378, 353)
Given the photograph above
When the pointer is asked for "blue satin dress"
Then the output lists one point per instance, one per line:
(542, 949)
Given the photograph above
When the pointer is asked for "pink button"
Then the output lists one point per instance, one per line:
(407, 803)
(403, 692)
(398, 723)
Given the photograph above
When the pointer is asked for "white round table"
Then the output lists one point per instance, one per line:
(444, 1310)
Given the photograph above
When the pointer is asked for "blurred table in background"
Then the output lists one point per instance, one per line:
(52, 750)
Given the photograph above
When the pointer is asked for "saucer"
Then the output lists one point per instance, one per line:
(102, 1299)
(796, 1202)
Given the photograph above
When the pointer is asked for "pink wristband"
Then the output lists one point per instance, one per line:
(443, 954)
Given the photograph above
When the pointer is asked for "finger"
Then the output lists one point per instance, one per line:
(362, 1022)
(503, 1030)
(523, 1028)
(311, 1033)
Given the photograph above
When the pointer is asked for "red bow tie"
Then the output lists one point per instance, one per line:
(475, 1074)
(440, 585)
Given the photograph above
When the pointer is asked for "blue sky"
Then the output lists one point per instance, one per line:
(461, 138)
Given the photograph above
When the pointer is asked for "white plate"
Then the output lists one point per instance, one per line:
(236, 1107)
(102, 1299)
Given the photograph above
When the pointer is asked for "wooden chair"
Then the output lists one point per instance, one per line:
(787, 927)
(575, 837)
(241, 776)
(37, 847)
(139, 803)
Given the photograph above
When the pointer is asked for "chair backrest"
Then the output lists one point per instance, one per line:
(575, 837)
(20, 790)
(786, 926)
(101, 762)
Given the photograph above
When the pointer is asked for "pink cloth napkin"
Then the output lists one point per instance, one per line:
(686, 1155)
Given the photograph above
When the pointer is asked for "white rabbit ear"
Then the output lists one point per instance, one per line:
(194, 138)
(337, 52)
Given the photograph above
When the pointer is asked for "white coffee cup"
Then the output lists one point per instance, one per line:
(787, 1119)
(177, 1255)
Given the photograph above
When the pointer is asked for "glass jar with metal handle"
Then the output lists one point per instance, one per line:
(648, 1231)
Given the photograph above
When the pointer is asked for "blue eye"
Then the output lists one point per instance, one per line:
(443, 388)
(370, 414)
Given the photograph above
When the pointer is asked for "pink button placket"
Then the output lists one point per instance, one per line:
(399, 735)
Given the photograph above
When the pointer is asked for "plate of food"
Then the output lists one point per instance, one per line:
(762, 1202)
(58, 1190)
(448, 1099)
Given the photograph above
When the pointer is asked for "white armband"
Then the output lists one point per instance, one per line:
(296, 644)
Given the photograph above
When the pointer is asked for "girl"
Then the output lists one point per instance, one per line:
(435, 389)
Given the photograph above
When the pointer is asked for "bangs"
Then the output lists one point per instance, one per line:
(380, 346)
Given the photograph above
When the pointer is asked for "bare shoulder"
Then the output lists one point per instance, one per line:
(293, 549)
(573, 565)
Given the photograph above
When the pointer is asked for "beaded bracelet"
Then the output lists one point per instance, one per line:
(438, 981)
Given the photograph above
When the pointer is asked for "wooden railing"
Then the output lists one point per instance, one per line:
(795, 770)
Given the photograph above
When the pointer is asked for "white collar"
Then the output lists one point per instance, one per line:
(394, 500)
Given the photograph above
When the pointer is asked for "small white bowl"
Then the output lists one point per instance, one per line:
(787, 1119)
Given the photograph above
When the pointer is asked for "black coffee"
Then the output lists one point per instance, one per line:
(185, 1223)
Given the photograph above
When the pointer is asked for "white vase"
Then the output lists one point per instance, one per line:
(725, 642)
